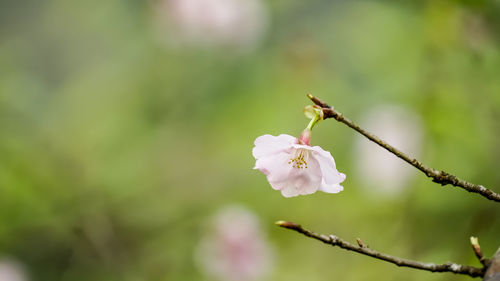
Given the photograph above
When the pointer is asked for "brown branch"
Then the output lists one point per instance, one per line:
(440, 177)
(493, 271)
(364, 250)
(474, 241)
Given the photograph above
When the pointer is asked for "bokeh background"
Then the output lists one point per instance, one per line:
(126, 129)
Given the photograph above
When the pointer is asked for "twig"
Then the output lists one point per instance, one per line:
(474, 241)
(440, 177)
(360, 243)
(336, 241)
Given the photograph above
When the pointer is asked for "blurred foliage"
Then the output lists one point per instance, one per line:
(117, 146)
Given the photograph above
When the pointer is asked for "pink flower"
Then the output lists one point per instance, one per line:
(11, 270)
(232, 23)
(294, 167)
(401, 128)
(235, 248)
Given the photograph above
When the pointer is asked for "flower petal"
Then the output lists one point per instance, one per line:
(329, 170)
(301, 181)
(267, 145)
(331, 188)
(290, 191)
(275, 167)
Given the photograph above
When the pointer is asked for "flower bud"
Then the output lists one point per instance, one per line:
(305, 137)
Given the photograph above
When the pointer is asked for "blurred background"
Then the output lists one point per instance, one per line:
(126, 130)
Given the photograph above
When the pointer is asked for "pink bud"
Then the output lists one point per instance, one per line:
(305, 137)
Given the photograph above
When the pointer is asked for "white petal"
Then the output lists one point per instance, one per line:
(267, 145)
(290, 191)
(279, 185)
(331, 188)
(330, 173)
(306, 183)
(301, 181)
(310, 180)
(275, 166)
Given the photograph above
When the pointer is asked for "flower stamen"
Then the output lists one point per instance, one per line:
(298, 161)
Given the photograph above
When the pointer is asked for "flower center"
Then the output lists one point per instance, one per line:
(299, 160)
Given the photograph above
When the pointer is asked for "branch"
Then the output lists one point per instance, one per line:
(363, 249)
(493, 272)
(474, 241)
(440, 177)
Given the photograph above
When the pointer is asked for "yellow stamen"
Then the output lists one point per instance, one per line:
(298, 162)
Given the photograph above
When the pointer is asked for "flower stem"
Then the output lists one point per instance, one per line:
(313, 122)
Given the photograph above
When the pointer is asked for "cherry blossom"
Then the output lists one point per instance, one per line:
(235, 248)
(294, 167)
(233, 23)
(382, 173)
(11, 270)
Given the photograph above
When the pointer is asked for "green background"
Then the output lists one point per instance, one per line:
(116, 148)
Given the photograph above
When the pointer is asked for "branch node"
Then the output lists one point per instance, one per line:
(455, 267)
(318, 101)
(360, 243)
(333, 239)
(288, 224)
(474, 241)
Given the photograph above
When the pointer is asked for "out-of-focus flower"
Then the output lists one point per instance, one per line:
(236, 248)
(379, 169)
(294, 167)
(236, 23)
(11, 271)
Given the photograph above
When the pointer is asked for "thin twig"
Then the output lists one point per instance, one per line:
(440, 177)
(336, 241)
(474, 241)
